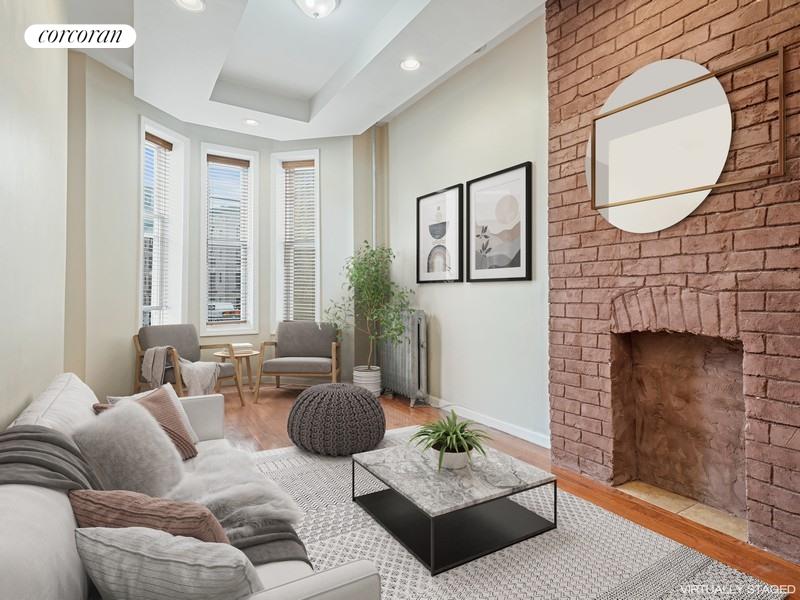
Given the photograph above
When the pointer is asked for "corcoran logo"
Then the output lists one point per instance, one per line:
(80, 36)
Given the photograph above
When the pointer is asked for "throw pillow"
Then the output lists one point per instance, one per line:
(147, 564)
(128, 450)
(161, 406)
(130, 509)
(176, 401)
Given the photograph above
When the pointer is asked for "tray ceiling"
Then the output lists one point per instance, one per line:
(298, 77)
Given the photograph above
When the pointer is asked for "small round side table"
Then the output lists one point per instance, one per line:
(239, 358)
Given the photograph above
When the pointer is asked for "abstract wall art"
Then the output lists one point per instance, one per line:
(439, 239)
(499, 216)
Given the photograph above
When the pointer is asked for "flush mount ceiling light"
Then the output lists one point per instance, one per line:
(251, 122)
(317, 9)
(192, 5)
(410, 64)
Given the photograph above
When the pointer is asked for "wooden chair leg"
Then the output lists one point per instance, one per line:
(176, 369)
(277, 381)
(258, 385)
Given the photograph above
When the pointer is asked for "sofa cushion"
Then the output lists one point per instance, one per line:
(38, 558)
(65, 405)
(226, 369)
(297, 365)
(305, 338)
(147, 564)
(205, 447)
(128, 450)
(120, 508)
(277, 573)
(181, 337)
(169, 376)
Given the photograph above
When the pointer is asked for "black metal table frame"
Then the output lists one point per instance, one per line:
(532, 524)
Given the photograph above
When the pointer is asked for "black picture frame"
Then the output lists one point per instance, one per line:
(459, 232)
(527, 218)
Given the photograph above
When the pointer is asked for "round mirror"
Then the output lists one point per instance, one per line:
(678, 141)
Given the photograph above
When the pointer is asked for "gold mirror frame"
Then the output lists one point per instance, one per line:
(779, 52)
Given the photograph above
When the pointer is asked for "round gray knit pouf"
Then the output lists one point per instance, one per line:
(336, 419)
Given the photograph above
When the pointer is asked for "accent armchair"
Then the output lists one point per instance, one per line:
(184, 343)
(302, 349)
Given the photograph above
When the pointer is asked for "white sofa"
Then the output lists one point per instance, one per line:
(38, 558)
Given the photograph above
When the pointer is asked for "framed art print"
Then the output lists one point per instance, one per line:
(499, 225)
(439, 239)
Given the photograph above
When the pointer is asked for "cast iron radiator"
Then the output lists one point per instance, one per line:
(404, 365)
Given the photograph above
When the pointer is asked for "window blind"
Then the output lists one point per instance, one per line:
(156, 225)
(300, 283)
(227, 240)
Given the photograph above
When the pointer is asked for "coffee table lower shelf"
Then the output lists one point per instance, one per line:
(452, 539)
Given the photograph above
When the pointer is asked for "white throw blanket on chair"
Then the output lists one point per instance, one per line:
(199, 377)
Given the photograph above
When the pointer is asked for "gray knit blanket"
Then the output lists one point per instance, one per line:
(154, 365)
(36, 455)
(269, 540)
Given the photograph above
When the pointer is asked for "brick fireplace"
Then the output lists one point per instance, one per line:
(677, 402)
(724, 282)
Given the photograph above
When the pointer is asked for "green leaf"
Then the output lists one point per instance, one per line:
(372, 302)
(450, 434)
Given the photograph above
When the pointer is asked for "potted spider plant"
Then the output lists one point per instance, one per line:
(452, 439)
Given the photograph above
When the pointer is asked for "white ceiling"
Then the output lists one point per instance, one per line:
(294, 55)
(298, 77)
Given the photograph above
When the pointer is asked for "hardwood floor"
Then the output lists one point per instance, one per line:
(262, 426)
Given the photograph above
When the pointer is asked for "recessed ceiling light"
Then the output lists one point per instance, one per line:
(192, 5)
(317, 9)
(410, 64)
(251, 122)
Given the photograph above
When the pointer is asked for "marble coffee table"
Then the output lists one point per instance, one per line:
(448, 518)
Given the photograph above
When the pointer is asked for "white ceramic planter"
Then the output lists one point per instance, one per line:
(369, 378)
(454, 460)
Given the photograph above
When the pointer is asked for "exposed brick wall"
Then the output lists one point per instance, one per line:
(740, 249)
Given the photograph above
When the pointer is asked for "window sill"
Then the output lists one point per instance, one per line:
(227, 332)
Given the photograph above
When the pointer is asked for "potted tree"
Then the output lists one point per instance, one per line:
(452, 440)
(372, 304)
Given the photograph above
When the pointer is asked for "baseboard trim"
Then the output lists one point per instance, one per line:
(435, 401)
(521, 432)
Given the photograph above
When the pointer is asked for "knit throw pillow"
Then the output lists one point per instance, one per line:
(146, 564)
(130, 509)
(167, 387)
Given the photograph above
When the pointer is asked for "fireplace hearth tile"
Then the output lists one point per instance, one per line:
(688, 507)
(655, 495)
(717, 519)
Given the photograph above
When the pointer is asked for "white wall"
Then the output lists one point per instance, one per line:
(33, 181)
(487, 341)
(112, 215)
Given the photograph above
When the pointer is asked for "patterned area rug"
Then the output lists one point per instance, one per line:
(592, 554)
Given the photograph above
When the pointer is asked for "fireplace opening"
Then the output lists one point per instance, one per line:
(678, 412)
